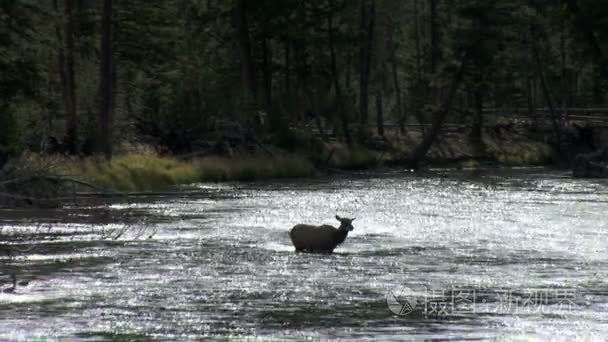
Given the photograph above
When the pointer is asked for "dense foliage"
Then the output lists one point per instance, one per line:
(82, 76)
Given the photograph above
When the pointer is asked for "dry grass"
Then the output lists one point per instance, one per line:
(520, 152)
(357, 157)
(150, 172)
(145, 171)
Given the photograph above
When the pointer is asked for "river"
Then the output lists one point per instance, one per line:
(477, 255)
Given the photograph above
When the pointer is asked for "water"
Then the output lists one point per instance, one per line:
(510, 255)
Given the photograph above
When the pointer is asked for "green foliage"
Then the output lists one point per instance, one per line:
(150, 172)
(178, 66)
(17, 69)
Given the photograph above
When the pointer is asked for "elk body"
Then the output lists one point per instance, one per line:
(320, 239)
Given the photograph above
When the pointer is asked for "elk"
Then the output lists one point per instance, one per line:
(320, 239)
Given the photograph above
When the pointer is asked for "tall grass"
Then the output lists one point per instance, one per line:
(145, 171)
(150, 172)
(134, 172)
(356, 157)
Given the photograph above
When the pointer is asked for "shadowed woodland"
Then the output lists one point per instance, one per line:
(364, 82)
(452, 131)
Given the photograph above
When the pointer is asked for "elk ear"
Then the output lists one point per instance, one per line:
(338, 218)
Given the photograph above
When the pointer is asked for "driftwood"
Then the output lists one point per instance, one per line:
(52, 179)
(13, 196)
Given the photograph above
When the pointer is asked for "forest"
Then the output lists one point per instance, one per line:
(343, 83)
(272, 170)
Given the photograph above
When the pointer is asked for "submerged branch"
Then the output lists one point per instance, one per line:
(53, 179)
(17, 192)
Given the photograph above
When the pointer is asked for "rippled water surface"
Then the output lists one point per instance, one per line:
(487, 255)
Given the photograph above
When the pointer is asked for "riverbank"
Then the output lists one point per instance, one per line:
(149, 172)
(143, 170)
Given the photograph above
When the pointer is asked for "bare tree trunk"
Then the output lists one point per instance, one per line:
(312, 105)
(382, 44)
(65, 54)
(244, 45)
(362, 64)
(530, 97)
(349, 69)
(417, 99)
(417, 42)
(530, 80)
(367, 33)
(575, 89)
(287, 68)
(564, 70)
(439, 117)
(435, 50)
(61, 61)
(72, 122)
(401, 118)
(266, 61)
(555, 117)
(128, 99)
(477, 131)
(379, 114)
(114, 72)
(336, 79)
(105, 76)
(598, 86)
